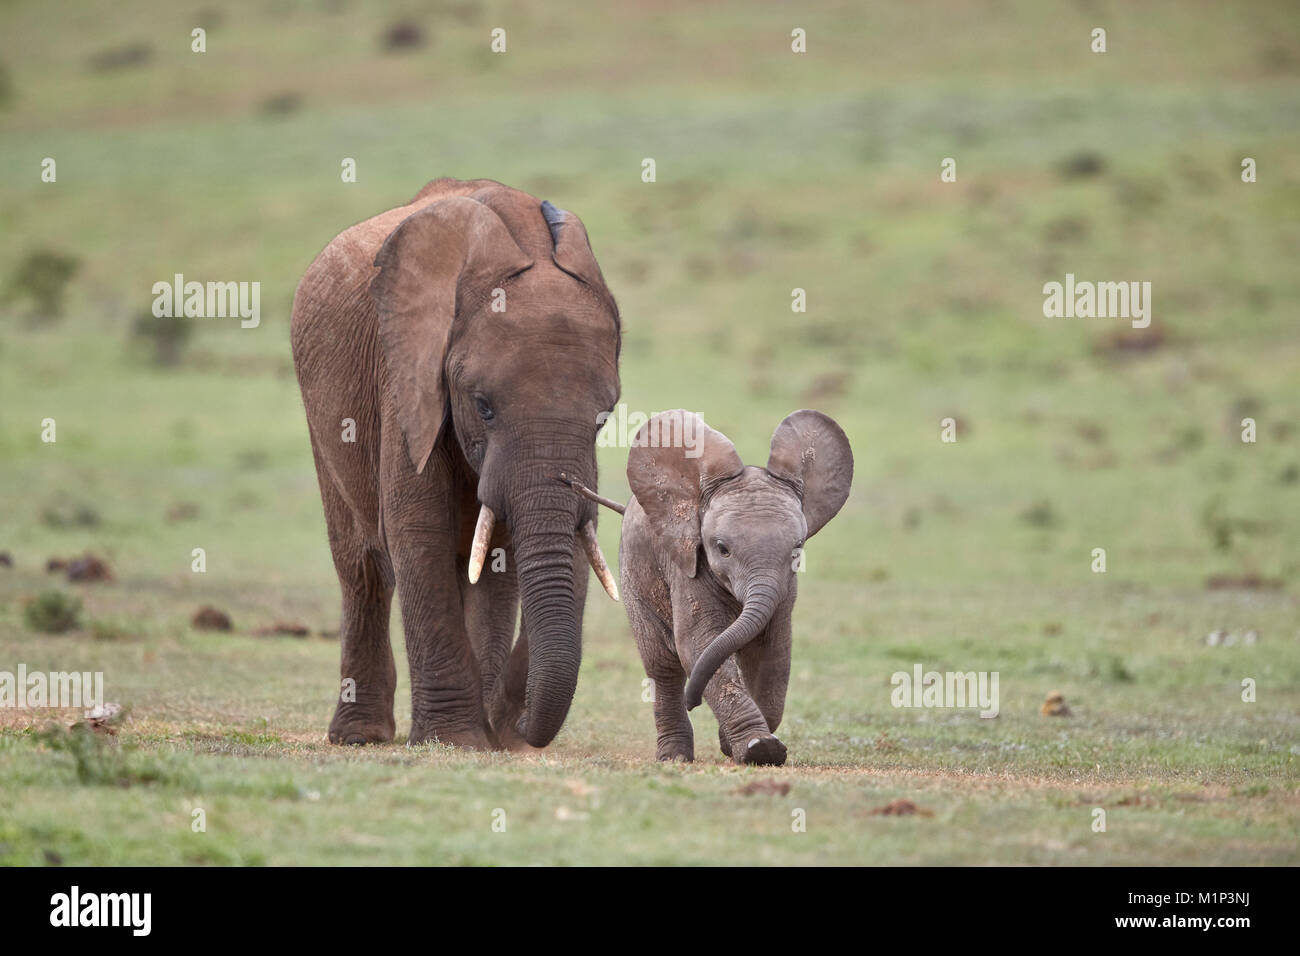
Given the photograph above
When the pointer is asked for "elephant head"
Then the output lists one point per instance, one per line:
(500, 335)
(750, 523)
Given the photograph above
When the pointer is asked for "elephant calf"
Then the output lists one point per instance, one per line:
(693, 495)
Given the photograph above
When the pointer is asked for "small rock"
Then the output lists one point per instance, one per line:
(183, 511)
(103, 719)
(404, 35)
(208, 618)
(104, 711)
(88, 568)
(5, 560)
(1055, 706)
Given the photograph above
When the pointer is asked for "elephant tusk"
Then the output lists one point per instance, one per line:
(478, 550)
(592, 547)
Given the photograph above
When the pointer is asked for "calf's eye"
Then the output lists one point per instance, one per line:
(484, 409)
(723, 550)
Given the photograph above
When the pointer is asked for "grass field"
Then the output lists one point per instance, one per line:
(774, 171)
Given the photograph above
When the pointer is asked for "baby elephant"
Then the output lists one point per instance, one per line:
(708, 557)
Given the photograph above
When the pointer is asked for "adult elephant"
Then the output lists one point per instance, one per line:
(454, 355)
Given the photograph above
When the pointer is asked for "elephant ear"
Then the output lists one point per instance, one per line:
(811, 452)
(674, 458)
(428, 264)
(572, 251)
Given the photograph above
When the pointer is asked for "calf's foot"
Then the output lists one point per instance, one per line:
(761, 750)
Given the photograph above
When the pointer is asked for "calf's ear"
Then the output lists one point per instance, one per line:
(811, 452)
(674, 458)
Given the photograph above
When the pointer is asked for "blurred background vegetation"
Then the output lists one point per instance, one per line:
(774, 171)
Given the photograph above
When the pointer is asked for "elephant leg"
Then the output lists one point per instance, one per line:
(507, 701)
(446, 690)
(491, 608)
(654, 639)
(765, 664)
(364, 710)
(743, 733)
(676, 738)
(742, 729)
(364, 713)
(421, 526)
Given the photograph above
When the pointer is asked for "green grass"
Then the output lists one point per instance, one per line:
(774, 171)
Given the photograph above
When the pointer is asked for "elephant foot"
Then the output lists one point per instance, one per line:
(473, 738)
(764, 750)
(509, 739)
(503, 717)
(356, 730)
(675, 751)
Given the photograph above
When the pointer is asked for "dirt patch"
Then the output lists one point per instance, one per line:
(1243, 582)
(902, 807)
(89, 568)
(773, 788)
(282, 629)
(1136, 800)
(182, 511)
(1131, 341)
(123, 57)
(85, 569)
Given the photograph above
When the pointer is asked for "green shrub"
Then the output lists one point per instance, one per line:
(165, 334)
(42, 278)
(52, 612)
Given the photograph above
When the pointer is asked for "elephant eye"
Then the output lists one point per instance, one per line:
(484, 409)
(723, 549)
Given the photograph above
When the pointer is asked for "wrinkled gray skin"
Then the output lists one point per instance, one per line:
(708, 555)
(456, 403)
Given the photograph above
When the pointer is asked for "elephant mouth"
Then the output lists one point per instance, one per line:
(483, 529)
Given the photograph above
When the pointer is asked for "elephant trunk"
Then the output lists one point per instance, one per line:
(552, 609)
(761, 600)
